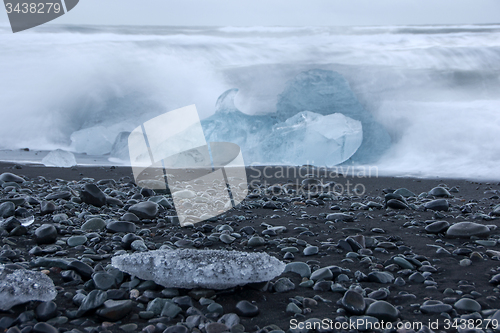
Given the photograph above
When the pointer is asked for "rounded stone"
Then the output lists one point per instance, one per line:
(467, 229)
(104, 281)
(322, 273)
(76, 240)
(283, 285)
(437, 205)
(396, 204)
(11, 178)
(92, 195)
(467, 305)
(437, 227)
(383, 310)
(138, 245)
(256, 241)
(226, 239)
(311, 250)
(115, 310)
(403, 263)
(46, 234)
(94, 224)
(44, 328)
(46, 310)
(300, 268)
(354, 302)
(121, 226)
(246, 309)
(7, 209)
(145, 210)
(440, 192)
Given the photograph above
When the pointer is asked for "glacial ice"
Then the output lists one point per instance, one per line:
(18, 286)
(312, 138)
(326, 92)
(59, 158)
(318, 120)
(190, 268)
(229, 124)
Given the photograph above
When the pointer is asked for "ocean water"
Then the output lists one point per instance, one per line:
(436, 89)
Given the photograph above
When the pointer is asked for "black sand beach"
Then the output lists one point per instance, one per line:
(355, 245)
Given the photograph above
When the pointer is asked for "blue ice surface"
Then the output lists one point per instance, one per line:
(299, 131)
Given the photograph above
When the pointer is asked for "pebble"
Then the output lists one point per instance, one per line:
(467, 229)
(300, 268)
(121, 226)
(437, 227)
(93, 300)
(46, 234)
(46, 310)
(382, 310)
(115, 310)
(283, 285)
(7, 209)
(10, 177)
(103, 281)
(321, 274)
(94, 224)
(92, 195)
(246, 309)
(311, 250)
(76, 240)
(467, 305)
(354, 302)
(437, 205)
(256, 241)
(145, 210)
(440, 192)
(44, 328)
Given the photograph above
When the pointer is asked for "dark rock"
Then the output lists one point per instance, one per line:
(466, 230)
(46, 234)
(46, 310)
(145, 210)
(380, 277)
(47, 207)
(115, 310)
(93, 195)
(437, 205)
(10, 177)
(103, 281)
(10, 224)
(440, 192)
(93, 300)
(121, 226)
(84, 270)
(354, 302)
(437, 227)
(246, 309)
(396, 204)
(382, 310)
(7, 209)
(44, 328)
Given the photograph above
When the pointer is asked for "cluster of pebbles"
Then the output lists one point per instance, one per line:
(389, 255)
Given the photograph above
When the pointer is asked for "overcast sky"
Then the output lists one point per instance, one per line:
(280, 12)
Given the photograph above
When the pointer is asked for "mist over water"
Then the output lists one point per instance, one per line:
(434, 88)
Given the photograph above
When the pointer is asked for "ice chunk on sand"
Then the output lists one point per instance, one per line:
(312, 138)
(189, 268)
(18, 286)
(228, 124)
(326, 92)
(59, 158)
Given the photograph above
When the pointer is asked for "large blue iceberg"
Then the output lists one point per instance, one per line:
(318, 121)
